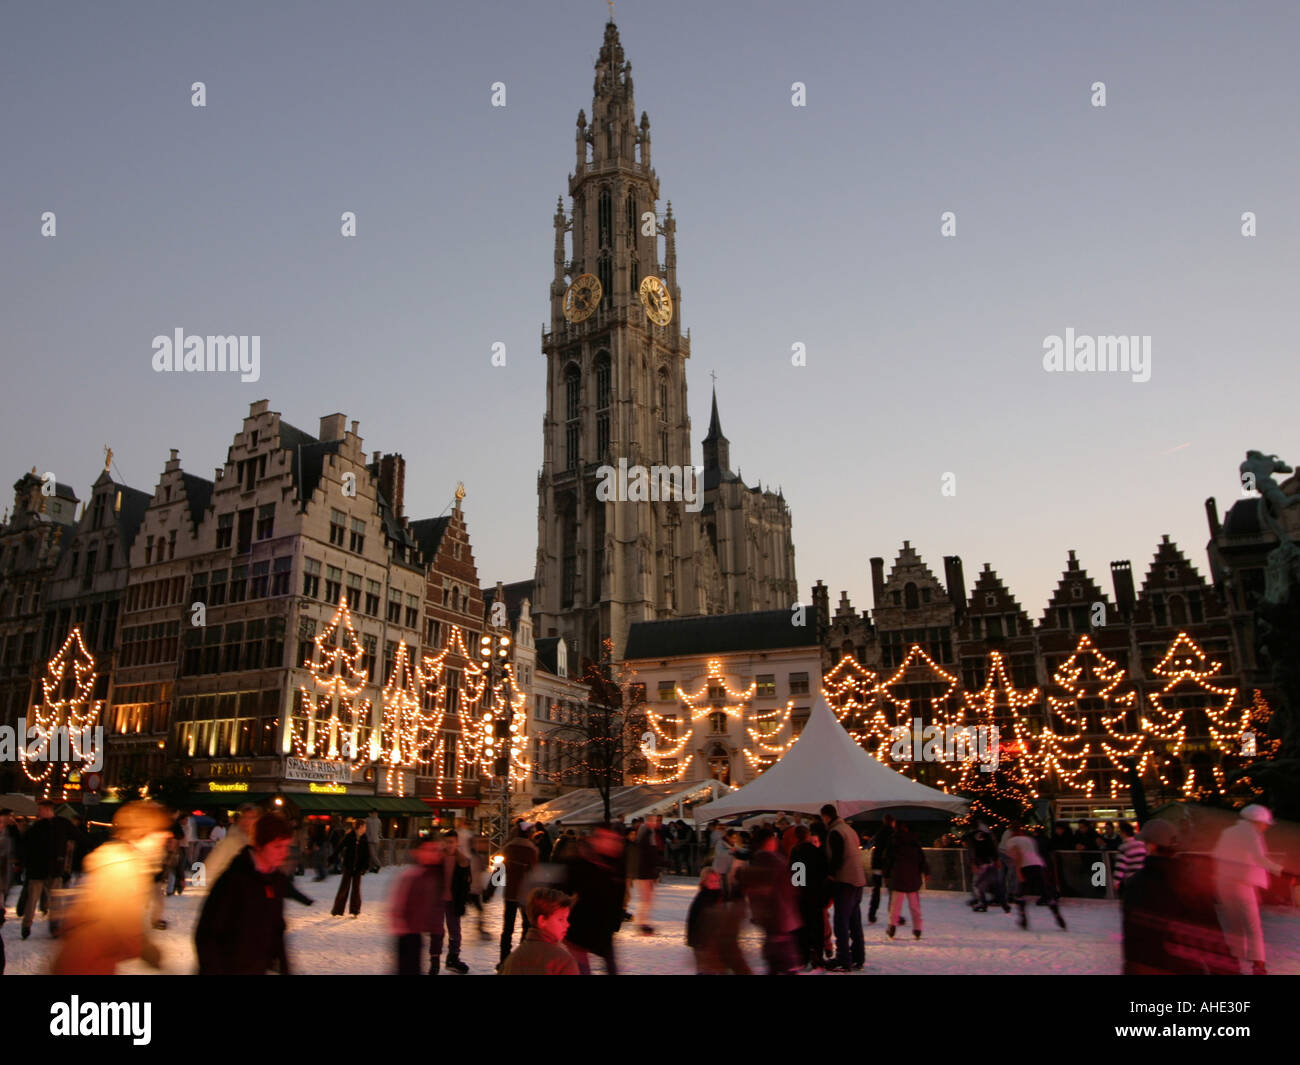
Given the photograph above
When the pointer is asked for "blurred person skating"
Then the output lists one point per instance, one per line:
(848, 878)
(480, 851)
(418, 907)
(1169, 924)
(808, 859)
(703, 924)
(241, 927)
(520, 857)
(594, 876)
(107, 923)
(542, 952)
(455, 896)
(1241, 871)
(1031, 876)
(988, 879)
(47, 860)
(908, 874)
(773, 904)
(649, 862)
(237, 837)
(354, 861)
(8, 857)
(543, 842)
(881, 859)
(1129, 857)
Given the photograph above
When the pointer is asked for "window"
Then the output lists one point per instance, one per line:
(369, 654)
(394, 608)
(238, 583)
(765, 685)
(265, 521)
(280, 572)
(311, 578)
(1011, 624)
(909, 596)
(88, 577)
(431, 630)
(245, 534)
(667, 691)
(338, 521)
(898, 598)
(217, 588)
(354, 592)
(990, 599)
(717, 722)
(412, 611)
(798, 683)
(97, 511)
(260, 585)
(1076, 590)
(306, 641)
(572, 409)
(372, 598)
(199, 588)
(225, 530)
(925, 595)
(358, 542)
(148, 551)
(333, 584)
(390, 658)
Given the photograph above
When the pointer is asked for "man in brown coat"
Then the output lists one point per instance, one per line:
(848, 878)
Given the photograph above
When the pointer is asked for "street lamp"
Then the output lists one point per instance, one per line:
(497, 729)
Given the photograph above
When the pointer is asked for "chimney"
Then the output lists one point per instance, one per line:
(331, 427)
(956, 581)
(821, 598)
(1212, 516)
(878, 582)
(392, 482)
(1121, 574)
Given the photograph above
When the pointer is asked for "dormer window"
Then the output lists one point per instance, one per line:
(1076, 590)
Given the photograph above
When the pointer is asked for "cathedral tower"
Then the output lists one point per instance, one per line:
(616, 393)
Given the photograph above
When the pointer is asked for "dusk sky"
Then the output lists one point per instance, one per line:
(817, 225)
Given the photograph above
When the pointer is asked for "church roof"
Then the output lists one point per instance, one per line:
(715, 423)
(512, 594)
(761, 630)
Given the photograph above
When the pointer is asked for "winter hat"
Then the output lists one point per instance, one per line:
(1161, 833)
(1259, 814)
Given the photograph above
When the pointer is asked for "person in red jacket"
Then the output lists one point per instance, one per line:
(542, 953)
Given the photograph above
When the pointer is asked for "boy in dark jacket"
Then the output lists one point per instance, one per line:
(767, 884)
(595, 877)
(808, 861)
(241, 929)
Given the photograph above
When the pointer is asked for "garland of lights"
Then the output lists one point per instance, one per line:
(946, 710)
(77, 715)
(854, 694)
(339, 679)
(407, 733)
(1186, 665)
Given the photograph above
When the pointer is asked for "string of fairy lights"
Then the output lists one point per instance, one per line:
(1084, 735)
(64, 725)
(333, 721)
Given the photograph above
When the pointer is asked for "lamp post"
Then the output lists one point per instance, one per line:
(492, 653)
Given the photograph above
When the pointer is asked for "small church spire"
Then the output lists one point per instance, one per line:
(717, 449)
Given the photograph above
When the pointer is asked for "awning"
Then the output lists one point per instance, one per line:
(393, 804)
(310, 802)
(451, 804)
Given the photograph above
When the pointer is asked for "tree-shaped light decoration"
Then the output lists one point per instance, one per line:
(408, 733)
(1091, 734)
(945, 710)
(853, 692)
(338, 680)
(65, 720)
(1188, 673)
(999, 704)
(764, 729)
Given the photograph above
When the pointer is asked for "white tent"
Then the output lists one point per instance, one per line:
(825, 765)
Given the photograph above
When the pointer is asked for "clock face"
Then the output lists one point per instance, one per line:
(655, 299)
(582, 298)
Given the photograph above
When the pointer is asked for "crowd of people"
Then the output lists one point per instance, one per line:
(802, 881)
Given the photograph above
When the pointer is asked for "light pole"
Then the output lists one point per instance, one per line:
(498, 740)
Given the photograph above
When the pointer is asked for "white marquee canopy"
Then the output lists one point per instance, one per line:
(825, 765)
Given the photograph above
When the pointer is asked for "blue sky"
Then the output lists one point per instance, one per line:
(817, 225)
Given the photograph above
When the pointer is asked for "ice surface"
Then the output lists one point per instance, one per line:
(955, 940)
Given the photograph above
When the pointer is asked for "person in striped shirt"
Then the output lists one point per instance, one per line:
(1130, 857)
